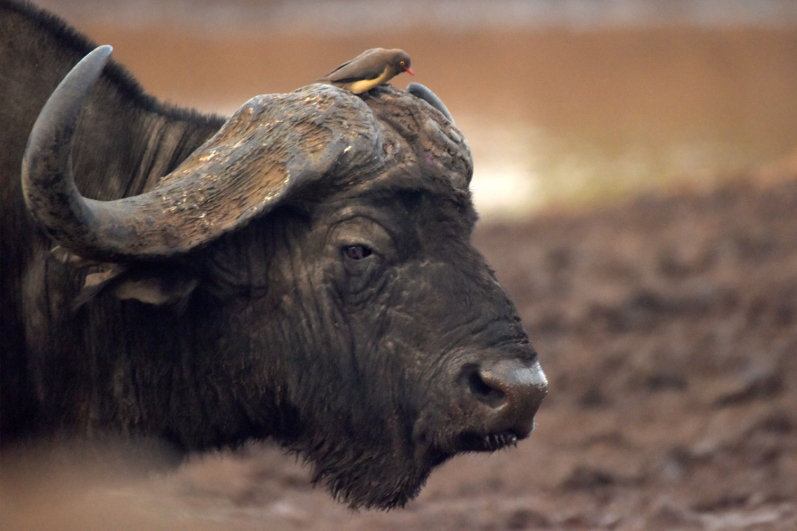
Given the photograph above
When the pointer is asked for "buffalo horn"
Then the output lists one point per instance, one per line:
(263, 151)
(424, 93)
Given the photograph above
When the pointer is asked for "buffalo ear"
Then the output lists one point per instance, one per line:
(157, 290)
(150, 285)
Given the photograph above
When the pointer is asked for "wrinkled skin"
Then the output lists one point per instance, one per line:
(345, 314)
(367, 371)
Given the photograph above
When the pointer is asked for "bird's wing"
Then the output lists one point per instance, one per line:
(353, 69)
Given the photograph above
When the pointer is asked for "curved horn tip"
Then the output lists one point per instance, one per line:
(64, 105)
(91, 65)
(68, 97)
(424, 93)
(103, 50)
(47, 183)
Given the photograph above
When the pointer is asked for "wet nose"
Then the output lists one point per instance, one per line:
(513, 390)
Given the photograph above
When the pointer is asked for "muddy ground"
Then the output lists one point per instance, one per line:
(667, 325)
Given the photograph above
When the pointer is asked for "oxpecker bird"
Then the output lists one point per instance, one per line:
(369, 69)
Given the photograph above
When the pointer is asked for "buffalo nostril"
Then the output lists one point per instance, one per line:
(484, 392)
(522, 387)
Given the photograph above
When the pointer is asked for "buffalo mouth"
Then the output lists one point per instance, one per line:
(481, 442)
(472, 441)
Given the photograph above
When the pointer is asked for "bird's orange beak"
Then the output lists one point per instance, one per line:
(409, 71)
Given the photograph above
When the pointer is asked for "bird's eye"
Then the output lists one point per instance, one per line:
(402, 63)
(356, 252)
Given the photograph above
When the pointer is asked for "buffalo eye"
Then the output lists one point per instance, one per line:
(356, 252)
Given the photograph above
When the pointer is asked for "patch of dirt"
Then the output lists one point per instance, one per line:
(667, 326)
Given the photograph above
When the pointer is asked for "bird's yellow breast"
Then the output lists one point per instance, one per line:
(364, 85)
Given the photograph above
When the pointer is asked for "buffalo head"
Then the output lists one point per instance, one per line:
(310, 278)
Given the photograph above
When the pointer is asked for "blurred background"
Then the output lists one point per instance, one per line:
(636, 171)
(563, 101)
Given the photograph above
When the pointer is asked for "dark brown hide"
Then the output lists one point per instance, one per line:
(302, 272)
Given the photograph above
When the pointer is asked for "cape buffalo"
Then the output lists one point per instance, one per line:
(302, 272)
